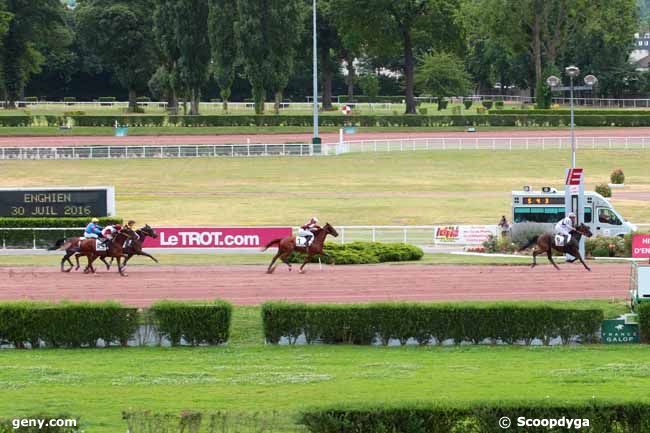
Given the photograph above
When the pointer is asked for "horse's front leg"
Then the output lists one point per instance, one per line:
(76, 257)
(120, 268)
(305, 262)
(577, 254)
(550, 258)
(142, 253)
(108, 266)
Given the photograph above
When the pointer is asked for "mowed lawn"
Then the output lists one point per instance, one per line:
(426, 187)
(248, 376)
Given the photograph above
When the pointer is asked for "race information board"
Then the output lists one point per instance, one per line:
(57, 202)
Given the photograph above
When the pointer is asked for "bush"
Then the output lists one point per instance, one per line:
(124, 120)
(143, 99)
(499, 244)
(644, 321)
(455, 111)
(423, 111)
(442, 104)
(604, 190)
(106, 99)
(617, 176)
(487, 103)
(357, 253)
(66, 324)
(602, 246)
(31, 99)
(15, 121)
(522, 233)
(195, 322)
(467, 103)
(481, 111)
(69, 99)
(498, 105)
(481, 417)
(473, 322)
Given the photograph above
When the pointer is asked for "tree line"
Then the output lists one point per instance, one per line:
(180, 50)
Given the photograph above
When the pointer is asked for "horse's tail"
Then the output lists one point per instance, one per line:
(533, 241)
(270, 244)
(58, 245)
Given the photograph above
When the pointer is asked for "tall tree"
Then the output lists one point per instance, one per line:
(194, 46)
(29, 27)
(405, 26)
(119, 33)
(442, 74)
(166, 80)
(221, 28)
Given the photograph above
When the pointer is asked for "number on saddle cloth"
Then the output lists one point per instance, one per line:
(301, 241)
(559, 240)
(100, 245)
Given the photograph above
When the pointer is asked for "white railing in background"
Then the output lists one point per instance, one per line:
(487, 143)
(152, 151)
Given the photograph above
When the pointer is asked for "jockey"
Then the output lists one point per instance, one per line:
(565, 226)
(110, 231)
(93, 230)
(307, 230)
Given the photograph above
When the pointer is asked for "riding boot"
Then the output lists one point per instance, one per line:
(566, 240)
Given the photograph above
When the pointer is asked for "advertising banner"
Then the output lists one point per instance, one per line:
(215, 237)
(464, 235)
(641, 246)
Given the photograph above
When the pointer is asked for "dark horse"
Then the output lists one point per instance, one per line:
(134, 248)
(288, 245)
(545, 243)
(86, 247)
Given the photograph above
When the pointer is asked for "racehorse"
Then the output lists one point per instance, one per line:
(545, 243)
(134, 248)
(288, 245)
(86, 247)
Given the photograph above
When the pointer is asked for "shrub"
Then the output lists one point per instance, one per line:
(106, 99)
(602, 246)
(480, 417)
(473, 322)
(31, 99)
(442, 104)
(69, 99)
(66, 324)
(644, 321)
(522, 233)
(617, 176)
(14, 121)
(604, 190)
(455, 111)
(481, 110)
(487, 103)
(74, 113)
(498, 105)
(143, 99)
(357, 253)
(195, 322)
(467, 103)
(423, 111)
(499, 244)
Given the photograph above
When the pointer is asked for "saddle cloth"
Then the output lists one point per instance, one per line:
(301, 241)
(100, 246)
(559, 240)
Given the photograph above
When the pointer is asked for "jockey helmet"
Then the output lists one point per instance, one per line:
(94, 220)
(130, 223)
(572, 215)
(314, 220)
(118, 227)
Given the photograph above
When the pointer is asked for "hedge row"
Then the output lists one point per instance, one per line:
(356, 253)
(83, 324)
(578, 112)
(363, 323)
(644, 322)
(44, 238)
(195, 322)
(338, 121)
(484, 417)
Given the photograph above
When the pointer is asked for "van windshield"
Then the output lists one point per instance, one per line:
(544, 214)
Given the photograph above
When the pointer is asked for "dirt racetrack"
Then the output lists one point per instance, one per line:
(67, 141)
(249, 285)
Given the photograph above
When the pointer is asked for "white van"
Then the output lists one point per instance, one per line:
(547, 206)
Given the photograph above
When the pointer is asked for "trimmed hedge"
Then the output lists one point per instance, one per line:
(482, 417)
(6, 425)
(109, 121)
(24, 238)
(66, 324)
(474, 322)
(195, 322)
(357, 253)
(644, 321)
(15, 121)
(578, 112)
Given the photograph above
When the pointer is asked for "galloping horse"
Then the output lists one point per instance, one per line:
(134, 248)
(86, 247)
(545, 243)
(288, 245)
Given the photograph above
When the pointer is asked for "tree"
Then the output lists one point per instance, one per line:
(28, 27)
(369, 84)
(221, 27)
(406, 26)
(194, 47)
(166, 80)
(442, 74)
(120, 35)
(268, 33)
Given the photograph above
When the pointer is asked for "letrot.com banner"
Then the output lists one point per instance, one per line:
(213, 237)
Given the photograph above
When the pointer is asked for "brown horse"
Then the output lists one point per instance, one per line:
(86, 247)
(134, 248)
(545, 243)
(288, 245)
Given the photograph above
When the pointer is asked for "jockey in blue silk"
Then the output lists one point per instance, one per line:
(93, 229)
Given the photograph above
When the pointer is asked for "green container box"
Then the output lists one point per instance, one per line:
(617, 332)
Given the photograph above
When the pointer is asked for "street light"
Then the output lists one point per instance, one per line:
(316, 139)
(554, 82)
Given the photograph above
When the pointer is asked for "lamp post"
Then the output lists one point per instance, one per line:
(316, 139)
(554, 82)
